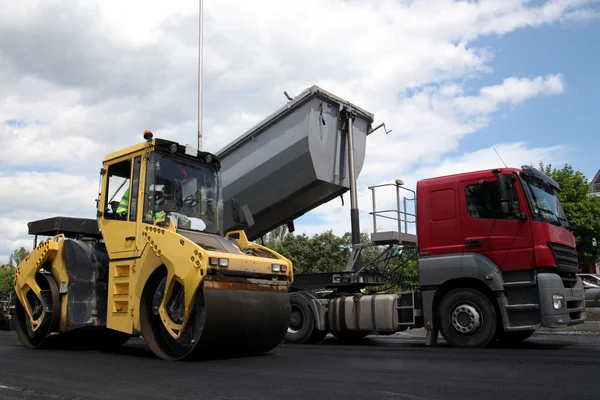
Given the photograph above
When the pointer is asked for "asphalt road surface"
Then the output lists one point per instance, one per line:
(559, 366)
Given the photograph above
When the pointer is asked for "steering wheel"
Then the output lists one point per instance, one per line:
(191, 201)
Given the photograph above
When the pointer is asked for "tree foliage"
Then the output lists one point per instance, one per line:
(7, 272)
(17, 256)
(7, 277)
(582, 210)
(327, 252)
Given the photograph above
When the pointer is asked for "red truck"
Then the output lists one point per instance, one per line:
(496, 260)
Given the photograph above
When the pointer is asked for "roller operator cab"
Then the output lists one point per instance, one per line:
(497, 256)
(154, 264)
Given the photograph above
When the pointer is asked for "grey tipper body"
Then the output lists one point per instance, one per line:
(291, 162)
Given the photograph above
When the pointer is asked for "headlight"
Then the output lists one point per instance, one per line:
(221, 262)
(558, 301)
(278, 268)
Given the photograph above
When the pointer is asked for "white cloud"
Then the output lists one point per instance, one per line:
(88, 77)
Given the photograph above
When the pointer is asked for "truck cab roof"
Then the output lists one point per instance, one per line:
(466, 175)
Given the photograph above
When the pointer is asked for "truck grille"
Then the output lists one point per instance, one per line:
(566, 258)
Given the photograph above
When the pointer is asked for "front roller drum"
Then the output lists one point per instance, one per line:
(229, 318)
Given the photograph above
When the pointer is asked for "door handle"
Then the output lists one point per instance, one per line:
(130, 238)
(473, 243)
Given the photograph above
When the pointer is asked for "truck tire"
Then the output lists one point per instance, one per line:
(467, 318)
(302, 329)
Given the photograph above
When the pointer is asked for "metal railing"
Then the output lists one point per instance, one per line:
(401, 213)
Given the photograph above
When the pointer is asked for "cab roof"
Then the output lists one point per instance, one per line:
(167, 147)
(470, 174)
(525, 170)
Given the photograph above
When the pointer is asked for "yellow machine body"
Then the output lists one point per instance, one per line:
(185, 289)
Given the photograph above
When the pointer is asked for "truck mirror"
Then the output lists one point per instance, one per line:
(506, 193)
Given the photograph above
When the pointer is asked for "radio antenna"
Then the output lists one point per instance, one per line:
(506, 166)
(200, 62)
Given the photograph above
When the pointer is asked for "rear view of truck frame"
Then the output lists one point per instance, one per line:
(496, 255)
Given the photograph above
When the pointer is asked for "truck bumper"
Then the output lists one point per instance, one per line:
(570, 302)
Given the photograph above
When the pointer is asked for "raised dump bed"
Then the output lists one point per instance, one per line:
(292, 162)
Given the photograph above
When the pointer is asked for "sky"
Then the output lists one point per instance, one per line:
(452, 79)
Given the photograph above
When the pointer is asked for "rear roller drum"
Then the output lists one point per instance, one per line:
(45, 310)
(154, 332)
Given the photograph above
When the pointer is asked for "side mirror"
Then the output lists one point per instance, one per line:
(506, 193)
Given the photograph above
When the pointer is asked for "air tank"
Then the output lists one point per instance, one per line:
(293, 161)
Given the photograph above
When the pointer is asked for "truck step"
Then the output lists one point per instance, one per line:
(408, 315)
(522, 327)
(519, 283)
(522, 306)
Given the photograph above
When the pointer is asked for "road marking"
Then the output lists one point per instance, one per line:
(31, 392)
(408, 396)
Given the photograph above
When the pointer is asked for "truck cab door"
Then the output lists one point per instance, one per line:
(486, 229)
(118, 220)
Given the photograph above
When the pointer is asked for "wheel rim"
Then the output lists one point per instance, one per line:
(296, 319)
(466, 318)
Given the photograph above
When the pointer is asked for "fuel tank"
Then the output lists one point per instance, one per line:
(293, 161)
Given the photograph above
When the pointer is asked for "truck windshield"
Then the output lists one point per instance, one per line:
(198, 208)
(544, 202)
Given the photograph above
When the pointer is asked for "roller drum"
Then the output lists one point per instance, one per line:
(243, 321)
(229, 318)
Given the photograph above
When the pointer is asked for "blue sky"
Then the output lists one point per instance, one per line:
(571, 118)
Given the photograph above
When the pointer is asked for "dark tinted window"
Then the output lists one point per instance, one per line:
(483, 201)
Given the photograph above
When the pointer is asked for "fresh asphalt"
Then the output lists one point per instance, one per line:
(547, 366)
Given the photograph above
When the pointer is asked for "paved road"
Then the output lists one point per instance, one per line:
(398, 367)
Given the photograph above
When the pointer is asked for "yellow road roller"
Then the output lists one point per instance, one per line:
(154, 263)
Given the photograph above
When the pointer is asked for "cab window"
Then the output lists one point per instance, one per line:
(483, 201)
(118, 191)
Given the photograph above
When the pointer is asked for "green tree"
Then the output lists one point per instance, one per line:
(582, 210)
(7, 277)
(17, 256)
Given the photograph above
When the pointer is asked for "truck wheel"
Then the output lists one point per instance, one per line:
(467, 318)
(302, 322)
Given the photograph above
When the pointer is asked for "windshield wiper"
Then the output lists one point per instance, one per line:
(552, 221)
(548, 211)
(557, 222)
(566, 223)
